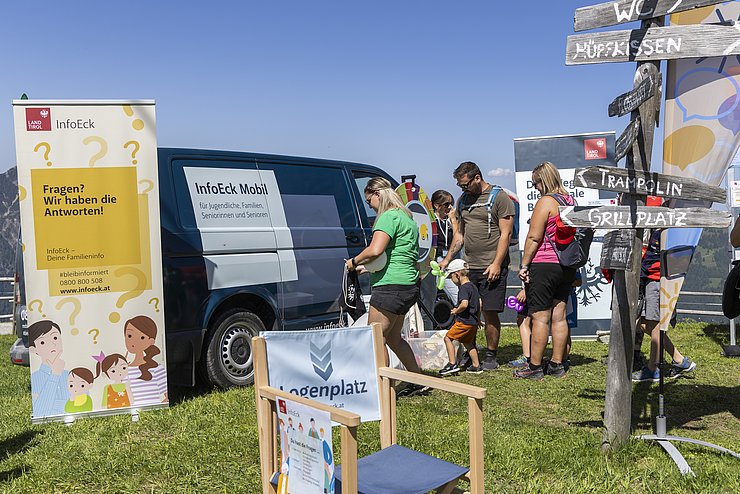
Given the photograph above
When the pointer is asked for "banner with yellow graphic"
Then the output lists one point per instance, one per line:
(702, 135)
(89, 201)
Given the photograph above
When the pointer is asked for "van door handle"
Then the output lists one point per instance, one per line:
(353, 238)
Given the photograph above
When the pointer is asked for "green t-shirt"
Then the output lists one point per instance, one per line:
(402, 250)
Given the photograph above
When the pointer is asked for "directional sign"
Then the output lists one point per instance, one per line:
(630, 101)
(621, 11)
(625, 141)
(656, 43)
(646, 183)
(617, 249)
(643, 217)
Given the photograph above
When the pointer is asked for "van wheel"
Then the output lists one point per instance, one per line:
(228, 357)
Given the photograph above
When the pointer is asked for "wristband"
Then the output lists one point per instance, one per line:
(524, 266)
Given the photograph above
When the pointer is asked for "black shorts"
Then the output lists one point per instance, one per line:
(548, 282)
(397, 299)
(492, 294)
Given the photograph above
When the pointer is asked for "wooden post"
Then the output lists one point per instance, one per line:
(618, 402)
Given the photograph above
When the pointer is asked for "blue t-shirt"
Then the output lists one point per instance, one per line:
(469, 316)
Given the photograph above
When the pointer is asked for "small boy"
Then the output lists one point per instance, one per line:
(466, 319)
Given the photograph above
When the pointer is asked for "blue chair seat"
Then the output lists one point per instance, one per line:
(399, 470)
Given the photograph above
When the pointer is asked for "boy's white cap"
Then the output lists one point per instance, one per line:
(456, 265)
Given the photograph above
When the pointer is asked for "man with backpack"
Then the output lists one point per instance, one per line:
(486, 214)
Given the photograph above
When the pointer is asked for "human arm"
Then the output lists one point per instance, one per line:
(460, 307)
(535, 234)
(458, 235)
(735, 233)
(377, 246)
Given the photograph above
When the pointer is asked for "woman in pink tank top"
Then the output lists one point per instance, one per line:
(547, 284)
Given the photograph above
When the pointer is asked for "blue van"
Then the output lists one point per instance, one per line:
(264, 254)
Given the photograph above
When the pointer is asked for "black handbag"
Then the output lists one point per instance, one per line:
(731, 292)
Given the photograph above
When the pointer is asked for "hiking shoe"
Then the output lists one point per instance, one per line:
(646, 375)
(489, 362)
(686, 365)
(414, 390)
(529, 373)
(449, 369)
(474, 370)
(521, 361)
(555, 370)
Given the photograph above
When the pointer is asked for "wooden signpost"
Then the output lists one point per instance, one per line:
(616, 251)
(658, 43)
(631, 100)
(626, 140)
(643, 217)
(621, 11)
(647, 46)
(646, 183)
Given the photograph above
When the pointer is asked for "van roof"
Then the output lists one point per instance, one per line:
(211, 153)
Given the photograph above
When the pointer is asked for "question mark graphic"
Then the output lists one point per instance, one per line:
(95, 332)
(148, 183)
(47, 148)
(101, 152)
(137, 123)
(133, 153)
(75, 309)
(41, 306)
(114, 317)
(156, 303)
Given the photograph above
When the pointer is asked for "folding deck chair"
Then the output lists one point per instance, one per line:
(393, 469)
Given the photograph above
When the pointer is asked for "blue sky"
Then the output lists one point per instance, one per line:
(409, 86)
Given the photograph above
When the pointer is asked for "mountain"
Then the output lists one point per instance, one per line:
(9, 220)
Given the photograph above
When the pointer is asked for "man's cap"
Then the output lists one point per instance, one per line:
(456, 265)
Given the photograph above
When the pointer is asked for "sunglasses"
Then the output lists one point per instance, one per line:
(444, 205)
(466, 185)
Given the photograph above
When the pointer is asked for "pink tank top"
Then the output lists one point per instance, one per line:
(545, 252)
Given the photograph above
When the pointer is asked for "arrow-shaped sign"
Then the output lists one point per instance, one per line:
(646, 183)
(631, 100)
(643, 217)
(625, 141)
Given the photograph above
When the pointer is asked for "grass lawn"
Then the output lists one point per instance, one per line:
(539, 436)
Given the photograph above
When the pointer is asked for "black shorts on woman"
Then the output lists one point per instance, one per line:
(548, 282)
(396, 299)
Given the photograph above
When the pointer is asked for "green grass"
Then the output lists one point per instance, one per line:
(539, 436)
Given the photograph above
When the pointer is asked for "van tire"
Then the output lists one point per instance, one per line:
(227, 360)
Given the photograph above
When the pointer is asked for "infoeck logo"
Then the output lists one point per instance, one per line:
(321, 360)
(38, 119)
(595, 149)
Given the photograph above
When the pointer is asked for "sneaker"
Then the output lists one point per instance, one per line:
(489, 362)
(555, 370)
(646, 375)
(521, 361)
(686, 365)
(449, 369)
(474, 370)
(528, 373)
(414, 390)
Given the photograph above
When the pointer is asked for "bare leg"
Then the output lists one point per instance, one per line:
(559, 332)
(540, 335)
(450, 350)
(525, 333)
(392, 325)
(473, 352)
(654, 329)
(493, 329)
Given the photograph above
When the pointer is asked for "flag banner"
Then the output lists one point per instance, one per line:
(702, 127)
(89, 203)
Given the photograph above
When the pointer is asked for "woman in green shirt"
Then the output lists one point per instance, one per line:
(396, 285)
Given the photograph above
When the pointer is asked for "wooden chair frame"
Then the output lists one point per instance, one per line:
(348, 421)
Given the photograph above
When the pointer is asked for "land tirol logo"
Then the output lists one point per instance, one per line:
(38, 119)
(595, 149)
(321, 360)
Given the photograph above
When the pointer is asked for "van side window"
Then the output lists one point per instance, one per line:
(361, 180)
(309, 188)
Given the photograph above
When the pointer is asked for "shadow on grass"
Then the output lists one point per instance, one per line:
(17, 444)
(181, 394)
(9, 475)
(718, 333)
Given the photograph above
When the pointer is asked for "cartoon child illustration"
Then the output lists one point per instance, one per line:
(49, 382)
(147, 379)
(79, 381)
(118, 393)
(312, 430)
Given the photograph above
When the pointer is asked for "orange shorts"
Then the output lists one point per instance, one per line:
(464, 333)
